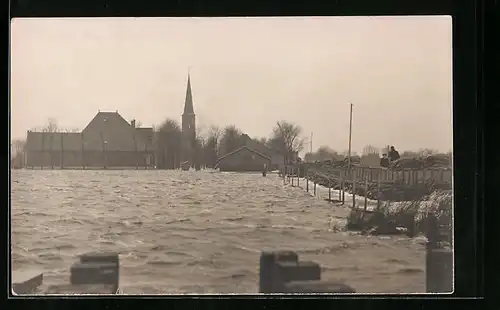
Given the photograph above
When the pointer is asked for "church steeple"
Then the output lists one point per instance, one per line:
(188, 104)
(188, 125)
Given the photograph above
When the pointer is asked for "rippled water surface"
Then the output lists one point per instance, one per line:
(195, 232)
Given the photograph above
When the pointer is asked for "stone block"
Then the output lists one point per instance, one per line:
(439, 270)
(278, 268)
(26, 281)
(298, 271)
(94, 273)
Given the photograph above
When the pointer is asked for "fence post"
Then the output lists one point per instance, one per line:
(329, 190)
(314, 188)
(307, 180)
(342, 184)
(379, 194)
(366, 194)
(340, 187)
(353, 190)
(298, 176)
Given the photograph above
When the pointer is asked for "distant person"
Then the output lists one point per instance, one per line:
(393, 154)
(384, 161)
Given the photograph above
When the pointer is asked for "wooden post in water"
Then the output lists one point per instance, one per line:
(366, 194)
(342, 184)
(329, 190)
(378, 192)
(307, 180)
(353, 190)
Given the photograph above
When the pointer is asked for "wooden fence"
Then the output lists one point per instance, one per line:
(411, 177)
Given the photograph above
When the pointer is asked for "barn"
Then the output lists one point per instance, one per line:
(107, 141)
(243, 159)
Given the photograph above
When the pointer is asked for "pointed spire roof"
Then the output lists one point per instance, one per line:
(188, 104)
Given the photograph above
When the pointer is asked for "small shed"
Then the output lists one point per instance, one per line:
(243, 159)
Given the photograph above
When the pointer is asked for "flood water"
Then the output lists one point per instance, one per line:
(196, 232)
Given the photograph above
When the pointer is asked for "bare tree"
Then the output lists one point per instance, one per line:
(210, 148)
(214, 132)
(168, 139)
(230, 140)
(18, 146)
(51, 125)
(286, 136)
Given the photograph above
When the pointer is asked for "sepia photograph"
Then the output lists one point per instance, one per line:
(242, 155)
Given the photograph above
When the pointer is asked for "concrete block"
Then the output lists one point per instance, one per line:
(267, 267)
(317, 287)
(298, 271)
(94, 273)
(26, 281)
(439, 270)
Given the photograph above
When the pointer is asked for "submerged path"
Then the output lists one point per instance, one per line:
(196, 232)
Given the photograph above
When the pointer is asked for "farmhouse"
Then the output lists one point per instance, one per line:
(107, 141)
(243, 159)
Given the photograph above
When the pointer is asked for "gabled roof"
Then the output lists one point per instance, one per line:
(111, 130)
(103, 119)
(241, 148)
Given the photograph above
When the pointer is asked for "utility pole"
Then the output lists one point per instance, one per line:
(350, 138)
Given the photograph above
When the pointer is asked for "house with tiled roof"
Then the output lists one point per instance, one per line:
(107, 141)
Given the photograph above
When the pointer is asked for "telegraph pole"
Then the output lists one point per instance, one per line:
(350, 138)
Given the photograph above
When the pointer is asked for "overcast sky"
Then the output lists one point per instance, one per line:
(250, 72)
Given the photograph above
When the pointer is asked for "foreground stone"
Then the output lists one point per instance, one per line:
(26, 281)
(282, 272)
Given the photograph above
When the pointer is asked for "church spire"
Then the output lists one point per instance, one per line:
(188, 104)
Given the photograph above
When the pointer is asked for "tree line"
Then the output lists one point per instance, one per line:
(209, 145)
